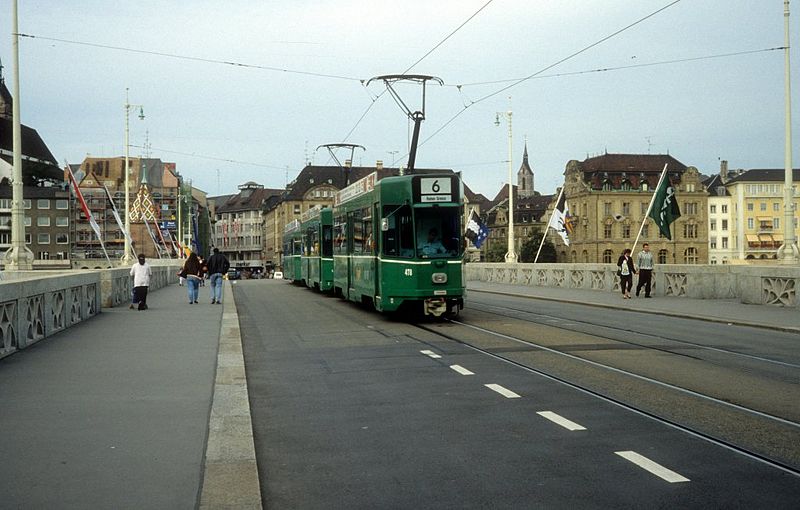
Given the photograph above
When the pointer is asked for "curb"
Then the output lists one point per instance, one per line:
(785, 329)
(230, 475)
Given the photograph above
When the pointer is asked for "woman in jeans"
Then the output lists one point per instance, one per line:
(626, 271)
(193, 271)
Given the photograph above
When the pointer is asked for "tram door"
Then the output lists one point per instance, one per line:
(374, 236)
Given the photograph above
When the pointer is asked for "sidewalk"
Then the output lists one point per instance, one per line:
(718, 310)
(113, 412)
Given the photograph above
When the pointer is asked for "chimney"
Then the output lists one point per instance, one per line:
(723, 170)
(379, 164)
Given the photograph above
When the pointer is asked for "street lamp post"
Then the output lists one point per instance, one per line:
(788, 252)
(18, 257)
(127, 258)
(511, 254)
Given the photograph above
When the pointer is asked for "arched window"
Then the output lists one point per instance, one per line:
(573, 256)
(607, 256)
(585, 256)
(662, 256)
(690, 255)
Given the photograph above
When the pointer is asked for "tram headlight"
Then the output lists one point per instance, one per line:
(439, 277)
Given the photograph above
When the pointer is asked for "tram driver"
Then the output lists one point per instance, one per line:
(433, 246)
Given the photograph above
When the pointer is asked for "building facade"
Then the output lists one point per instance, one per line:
(758, 212)
(608, 197)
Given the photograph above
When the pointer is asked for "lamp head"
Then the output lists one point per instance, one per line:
(497, 119)
(141, 113)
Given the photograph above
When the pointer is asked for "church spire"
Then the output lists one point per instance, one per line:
(525, 175)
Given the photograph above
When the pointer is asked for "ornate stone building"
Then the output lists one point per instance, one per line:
(608, 196)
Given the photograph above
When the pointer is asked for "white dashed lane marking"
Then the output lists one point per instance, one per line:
(461, 370)
(560, 420)
(499, 389)
(648, 465)
(431, 354)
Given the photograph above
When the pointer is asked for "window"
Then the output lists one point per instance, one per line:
(750, 223)
(26, 203)
(776, 206)
(27, 221)
(62, 221)
(662, 256)
(297, 208)
(643, 208)
(585, 256)
(607, 255)
(43, 239)
(690, 187)
(690, 256)
(713, 261)
(43, 203)
(750, 206)
(691, 207)
(763, 206)
(712, 209)
(5, 203)
(690, 231)
(28, 239)
(713, 243)
(646, 231)
(62, 204)
(724, 224)
(626, 231)
(438, 232)
(724, 209)
(712, 225)
(724, 242)
(607, 208)
(5, 238)
(607, 231)
(776, 223)
(398, 240)
(43, 221)
(626, 208)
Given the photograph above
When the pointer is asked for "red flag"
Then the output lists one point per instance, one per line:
(84, 207)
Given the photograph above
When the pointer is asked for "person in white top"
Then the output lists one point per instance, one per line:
(141, 273)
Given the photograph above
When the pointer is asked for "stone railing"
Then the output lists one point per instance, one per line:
(777, 285)
(38, 304)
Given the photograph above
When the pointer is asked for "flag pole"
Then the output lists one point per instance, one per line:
(547, 226)
(647, 213)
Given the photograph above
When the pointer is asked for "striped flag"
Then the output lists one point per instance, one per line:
(84, 207)
(117, 217)
(561, 220)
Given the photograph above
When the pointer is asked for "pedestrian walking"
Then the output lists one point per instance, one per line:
(626, 271)
(141, 273)
(645, 264)
(218, 266)
(192, 271)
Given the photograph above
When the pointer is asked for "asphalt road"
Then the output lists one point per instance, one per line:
(352, 409)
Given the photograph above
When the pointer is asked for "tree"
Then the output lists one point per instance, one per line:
(531, 246)
(496, 251)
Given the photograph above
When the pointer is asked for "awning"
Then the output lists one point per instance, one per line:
(764, 218)
(765, 238)
(752, 238)
(777, 237)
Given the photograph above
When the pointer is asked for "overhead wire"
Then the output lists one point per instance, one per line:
(214, 158)
(190, 58)
(423, 57)
(631, 66)
(558, 62)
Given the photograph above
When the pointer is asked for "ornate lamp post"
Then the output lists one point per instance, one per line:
(511, 254)
(127, 258)
(788, 252)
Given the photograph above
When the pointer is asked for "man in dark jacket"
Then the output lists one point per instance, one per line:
(217, 266)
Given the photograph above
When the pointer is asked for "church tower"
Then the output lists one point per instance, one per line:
(525, 176)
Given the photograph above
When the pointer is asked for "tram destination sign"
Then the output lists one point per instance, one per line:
(433, 190)
(358, 188)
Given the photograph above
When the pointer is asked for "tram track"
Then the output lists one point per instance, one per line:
(754, 434)
(497, 310)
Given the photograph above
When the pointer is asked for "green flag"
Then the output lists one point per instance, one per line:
(665, 207)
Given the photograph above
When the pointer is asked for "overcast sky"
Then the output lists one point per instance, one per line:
(265, 120)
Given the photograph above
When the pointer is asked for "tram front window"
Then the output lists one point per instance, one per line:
(438, 232)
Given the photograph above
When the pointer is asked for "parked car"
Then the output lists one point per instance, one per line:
(278, 274)
(234, 274)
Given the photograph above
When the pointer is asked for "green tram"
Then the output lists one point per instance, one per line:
(292, 251)
(317, 257)
(397, 243)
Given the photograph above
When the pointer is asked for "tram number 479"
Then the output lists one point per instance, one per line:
(409, 272)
